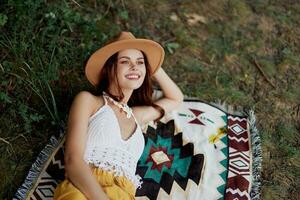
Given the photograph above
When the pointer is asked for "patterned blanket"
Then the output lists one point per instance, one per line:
(201, 151)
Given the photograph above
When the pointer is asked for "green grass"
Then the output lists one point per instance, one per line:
(43, 48)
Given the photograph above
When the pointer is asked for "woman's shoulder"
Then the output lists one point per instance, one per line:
(87, 99)
(85, 94)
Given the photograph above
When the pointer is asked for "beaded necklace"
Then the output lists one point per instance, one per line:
(122, 106)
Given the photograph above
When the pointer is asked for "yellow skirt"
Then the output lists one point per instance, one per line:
(115, 187)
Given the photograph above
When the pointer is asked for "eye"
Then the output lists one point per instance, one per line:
(141, 62)
(124, 62)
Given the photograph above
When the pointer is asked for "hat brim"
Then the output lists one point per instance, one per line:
(154, 53)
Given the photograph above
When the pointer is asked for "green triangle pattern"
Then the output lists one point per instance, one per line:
(221, 189)
(224, 117)
(223, 175)
(224, 162)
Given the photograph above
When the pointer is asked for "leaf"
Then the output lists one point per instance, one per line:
(3, 19)
(124, 15)
(5, 98)
(171, 46)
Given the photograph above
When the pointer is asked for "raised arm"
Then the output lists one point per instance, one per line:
(172, 98)
(171, 91)
(77, 171)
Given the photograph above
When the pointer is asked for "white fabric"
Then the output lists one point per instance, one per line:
(106, 149)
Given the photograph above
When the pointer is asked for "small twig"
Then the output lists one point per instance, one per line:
(107, 10)
(20, 135)
(77, 3)
(95, 4)
(216, 79)
(2, 68)
(296, 112)
(262, 72)
(4, 140)
(123, 4)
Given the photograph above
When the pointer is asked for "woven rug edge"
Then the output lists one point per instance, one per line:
(256, 156)
(37, 168)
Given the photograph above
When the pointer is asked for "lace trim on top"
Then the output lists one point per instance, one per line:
(118, 171)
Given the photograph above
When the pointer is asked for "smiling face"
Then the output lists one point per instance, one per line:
(131, 68)
(126, 76)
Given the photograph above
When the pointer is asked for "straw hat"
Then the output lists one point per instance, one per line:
(126, 40)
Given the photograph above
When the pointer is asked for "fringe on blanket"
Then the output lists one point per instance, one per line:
(37, 167)
(256, 157)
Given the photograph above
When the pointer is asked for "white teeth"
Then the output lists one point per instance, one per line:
(132, 76)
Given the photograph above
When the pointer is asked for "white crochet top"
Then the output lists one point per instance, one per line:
(106, 149)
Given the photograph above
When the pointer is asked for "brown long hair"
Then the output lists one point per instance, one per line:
(140, 96)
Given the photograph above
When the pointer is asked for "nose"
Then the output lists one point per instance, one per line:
(132, 65)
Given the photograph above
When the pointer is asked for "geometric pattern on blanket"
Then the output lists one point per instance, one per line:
(198, 151)
(238, 183)
(166, 161)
